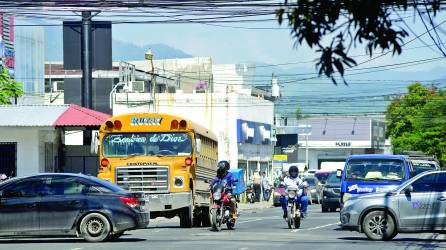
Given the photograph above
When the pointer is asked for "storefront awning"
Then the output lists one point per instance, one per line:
(78, 116)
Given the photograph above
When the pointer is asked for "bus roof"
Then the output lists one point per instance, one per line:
(191, 125)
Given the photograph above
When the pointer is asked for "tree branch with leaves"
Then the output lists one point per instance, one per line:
(349, 23)
(9, 88)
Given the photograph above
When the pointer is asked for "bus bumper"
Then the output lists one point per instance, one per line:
(169, 202)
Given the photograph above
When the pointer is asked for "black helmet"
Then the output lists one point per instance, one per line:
(293, 171)
(222, 168)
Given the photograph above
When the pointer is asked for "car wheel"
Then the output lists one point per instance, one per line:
(116, 236)
(379, 225)
(95, 227)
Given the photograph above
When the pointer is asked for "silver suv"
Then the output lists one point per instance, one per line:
(418, 205)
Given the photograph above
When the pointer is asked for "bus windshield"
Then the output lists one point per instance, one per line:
(375, 170)
(147, 144)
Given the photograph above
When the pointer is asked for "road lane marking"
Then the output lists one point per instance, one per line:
(314, 228)
(79, 248)
(246, 221)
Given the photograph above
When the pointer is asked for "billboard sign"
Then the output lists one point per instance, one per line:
(253, 132)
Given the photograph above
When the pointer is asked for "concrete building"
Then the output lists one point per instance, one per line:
(333, 139)
(242, 123)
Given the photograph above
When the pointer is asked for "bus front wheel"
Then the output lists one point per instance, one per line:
(186, 217)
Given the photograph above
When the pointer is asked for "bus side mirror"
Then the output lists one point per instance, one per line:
(94, 146)
(339, 173)
(198, 145)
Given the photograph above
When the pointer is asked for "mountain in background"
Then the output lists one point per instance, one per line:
(122, 51)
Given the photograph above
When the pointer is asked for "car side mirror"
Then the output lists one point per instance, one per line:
(408, 190)
(198, 145)
(339, 173)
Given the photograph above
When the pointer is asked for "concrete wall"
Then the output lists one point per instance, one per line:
(30, 147)
(218, 112)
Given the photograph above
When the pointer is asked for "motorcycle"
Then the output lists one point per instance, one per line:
(294, 216)
(250, 194)
(220, 212)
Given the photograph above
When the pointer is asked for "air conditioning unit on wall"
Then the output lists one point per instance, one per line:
(137, 86)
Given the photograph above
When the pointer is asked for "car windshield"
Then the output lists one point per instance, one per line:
(149, 144)
(375, 169)
(332, 178)
(311, 181)
(322, 176)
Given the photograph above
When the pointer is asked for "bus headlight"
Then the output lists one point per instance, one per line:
(178, 181)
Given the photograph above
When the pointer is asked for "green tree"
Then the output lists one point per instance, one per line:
(9, 88)
(332, 27)
(299, 113)
(417, 121)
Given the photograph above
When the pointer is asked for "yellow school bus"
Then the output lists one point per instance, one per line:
(166, 157)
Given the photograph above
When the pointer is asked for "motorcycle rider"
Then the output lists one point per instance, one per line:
(224, 175)
(293, 180)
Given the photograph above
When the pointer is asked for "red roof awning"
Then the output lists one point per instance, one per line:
(78, 116)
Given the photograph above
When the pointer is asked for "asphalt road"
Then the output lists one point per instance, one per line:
(256, 229)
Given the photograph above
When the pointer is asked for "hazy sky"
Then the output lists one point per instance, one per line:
(231, 45)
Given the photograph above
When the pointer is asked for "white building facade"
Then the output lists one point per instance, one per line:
(242, 123)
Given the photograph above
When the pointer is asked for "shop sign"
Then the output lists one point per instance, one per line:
(343, 144)
(280, 158)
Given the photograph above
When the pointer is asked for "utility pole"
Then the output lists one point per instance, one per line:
(86, 84)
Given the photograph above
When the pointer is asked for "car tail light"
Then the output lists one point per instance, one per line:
(183, 124)
(174, 124)
(105, 162)
(130, 201)
(188, 161)
(118, 124)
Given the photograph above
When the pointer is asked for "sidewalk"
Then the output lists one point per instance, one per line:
(255, 205)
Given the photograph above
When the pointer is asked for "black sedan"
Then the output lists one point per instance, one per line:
(331, 193)
(69, 205)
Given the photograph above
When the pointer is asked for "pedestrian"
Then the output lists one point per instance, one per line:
(265, 186)
(257, 185)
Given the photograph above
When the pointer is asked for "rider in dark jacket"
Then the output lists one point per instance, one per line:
(223, 176)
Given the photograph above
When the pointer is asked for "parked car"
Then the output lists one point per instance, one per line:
(331, 193)
(69, 205)
(415, 206)
(309, 173)
(314, 190)
(422, 165)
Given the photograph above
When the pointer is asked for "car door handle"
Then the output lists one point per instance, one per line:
(442, 198)
(33, 205)
(75, 202)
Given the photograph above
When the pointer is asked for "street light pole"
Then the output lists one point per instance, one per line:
(149, 56)
(306, 151)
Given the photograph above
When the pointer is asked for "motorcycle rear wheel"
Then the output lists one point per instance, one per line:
(215, 220)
